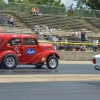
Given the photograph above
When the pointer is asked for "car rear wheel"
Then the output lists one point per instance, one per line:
(9, 61)
(52, 62)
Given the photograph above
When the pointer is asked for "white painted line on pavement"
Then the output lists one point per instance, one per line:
(49, 78)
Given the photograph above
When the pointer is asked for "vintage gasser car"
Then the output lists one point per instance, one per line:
(96, 62)
(25, 49)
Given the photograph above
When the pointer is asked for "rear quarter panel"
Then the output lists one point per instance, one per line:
(2, 54)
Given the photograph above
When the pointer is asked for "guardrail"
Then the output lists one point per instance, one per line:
(73, 43)
(70, 46)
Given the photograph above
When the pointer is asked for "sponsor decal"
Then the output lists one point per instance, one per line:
(30, 51)
(16, 49)
(19, 54)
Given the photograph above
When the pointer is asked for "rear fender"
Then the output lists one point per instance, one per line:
(2, 54)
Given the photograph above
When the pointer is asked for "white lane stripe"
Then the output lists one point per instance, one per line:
(49, 78)
(74, 62)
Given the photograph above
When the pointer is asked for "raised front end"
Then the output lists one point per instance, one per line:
(49, 56)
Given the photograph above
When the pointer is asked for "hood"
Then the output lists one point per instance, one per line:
(46, 46)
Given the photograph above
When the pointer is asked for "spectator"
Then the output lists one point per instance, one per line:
(11, 21)
(75, 35)
(37, 11)
(33, 10)
(71, 10)
(77, 48)
(82, 35)
(49, 31)
(95, 44)
(50, 37)
(83, 48)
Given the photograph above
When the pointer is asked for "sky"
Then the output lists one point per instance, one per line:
(69, 2)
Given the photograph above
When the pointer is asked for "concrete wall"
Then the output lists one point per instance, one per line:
(77, 55)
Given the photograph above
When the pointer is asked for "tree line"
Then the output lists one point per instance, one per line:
(92, 4)
(41, 2)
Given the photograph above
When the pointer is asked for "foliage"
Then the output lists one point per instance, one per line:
(48, 2)
(42, 2)
(26, 7)
(92, 4)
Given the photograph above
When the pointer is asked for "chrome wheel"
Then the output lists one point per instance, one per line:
(53, 63)
(10, 62)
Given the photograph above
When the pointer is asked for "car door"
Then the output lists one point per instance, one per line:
(30, 50)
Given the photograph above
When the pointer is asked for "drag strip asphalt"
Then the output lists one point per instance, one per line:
(64, 72)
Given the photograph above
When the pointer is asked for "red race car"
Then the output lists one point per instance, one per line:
(25, 49)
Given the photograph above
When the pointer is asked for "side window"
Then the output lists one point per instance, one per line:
(14, 42)
(29, 41)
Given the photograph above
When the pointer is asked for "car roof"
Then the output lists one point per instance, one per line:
(8, 35)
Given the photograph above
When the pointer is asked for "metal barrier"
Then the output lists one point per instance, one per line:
(70, 46)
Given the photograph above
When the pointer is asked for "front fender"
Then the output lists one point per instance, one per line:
(2, 54)
(43, 57)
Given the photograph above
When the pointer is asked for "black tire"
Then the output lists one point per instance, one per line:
(52, 62)
(9, 61)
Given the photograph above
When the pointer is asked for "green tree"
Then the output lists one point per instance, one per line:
(11, 0)
(93, 4)
(41, 2)
(45, 2)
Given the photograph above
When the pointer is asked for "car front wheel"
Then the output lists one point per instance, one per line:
(52, 62)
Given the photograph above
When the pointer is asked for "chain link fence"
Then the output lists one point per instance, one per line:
(44, 9)
(23, 7)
